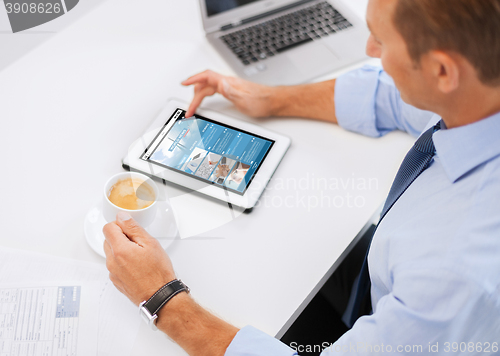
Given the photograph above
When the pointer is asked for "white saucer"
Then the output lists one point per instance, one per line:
(164, 227)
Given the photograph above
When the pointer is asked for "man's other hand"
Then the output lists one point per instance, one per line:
(138, 266)
(250, 98)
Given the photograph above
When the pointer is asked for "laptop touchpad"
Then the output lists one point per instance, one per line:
(311, 55)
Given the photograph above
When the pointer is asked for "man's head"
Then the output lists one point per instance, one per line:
(436, 49)
(470, 28)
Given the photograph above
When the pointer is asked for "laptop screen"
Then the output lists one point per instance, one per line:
(215, 7)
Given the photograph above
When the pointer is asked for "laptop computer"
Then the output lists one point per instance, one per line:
(282, 42)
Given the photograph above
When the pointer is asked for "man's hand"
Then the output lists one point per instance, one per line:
(138, 266)
(250, 98)
(311, 101)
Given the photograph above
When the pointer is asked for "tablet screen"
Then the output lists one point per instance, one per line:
(204, 149)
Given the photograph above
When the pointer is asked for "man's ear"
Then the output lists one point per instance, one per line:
(445, 69)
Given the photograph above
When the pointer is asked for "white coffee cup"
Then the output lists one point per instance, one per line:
(143, 216)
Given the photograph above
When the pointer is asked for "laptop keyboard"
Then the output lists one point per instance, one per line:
(256, 43)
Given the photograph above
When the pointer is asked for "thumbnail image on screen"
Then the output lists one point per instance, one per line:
(210, 151)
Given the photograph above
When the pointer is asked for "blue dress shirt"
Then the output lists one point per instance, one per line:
(435, 259)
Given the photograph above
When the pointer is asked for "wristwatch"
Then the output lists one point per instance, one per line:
(149, 308)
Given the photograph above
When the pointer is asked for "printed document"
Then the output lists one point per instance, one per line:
(48, 320)
(51, 306)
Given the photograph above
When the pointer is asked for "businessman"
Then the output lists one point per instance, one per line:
(433, 267)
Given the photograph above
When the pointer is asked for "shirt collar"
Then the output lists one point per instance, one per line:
(463, 148)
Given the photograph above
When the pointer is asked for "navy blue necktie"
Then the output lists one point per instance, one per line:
(416, 161)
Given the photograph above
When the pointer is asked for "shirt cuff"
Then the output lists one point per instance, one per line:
(250, 341)
(355, 94)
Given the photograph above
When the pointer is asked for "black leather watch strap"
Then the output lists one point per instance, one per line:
(164, 294)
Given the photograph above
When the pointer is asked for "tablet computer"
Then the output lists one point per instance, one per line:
(214, 154)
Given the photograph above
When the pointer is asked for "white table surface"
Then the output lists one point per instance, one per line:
(70, 108)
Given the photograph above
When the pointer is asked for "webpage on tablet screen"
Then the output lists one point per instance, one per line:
(208, 150)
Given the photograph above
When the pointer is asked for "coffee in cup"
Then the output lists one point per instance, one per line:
(133, 193)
